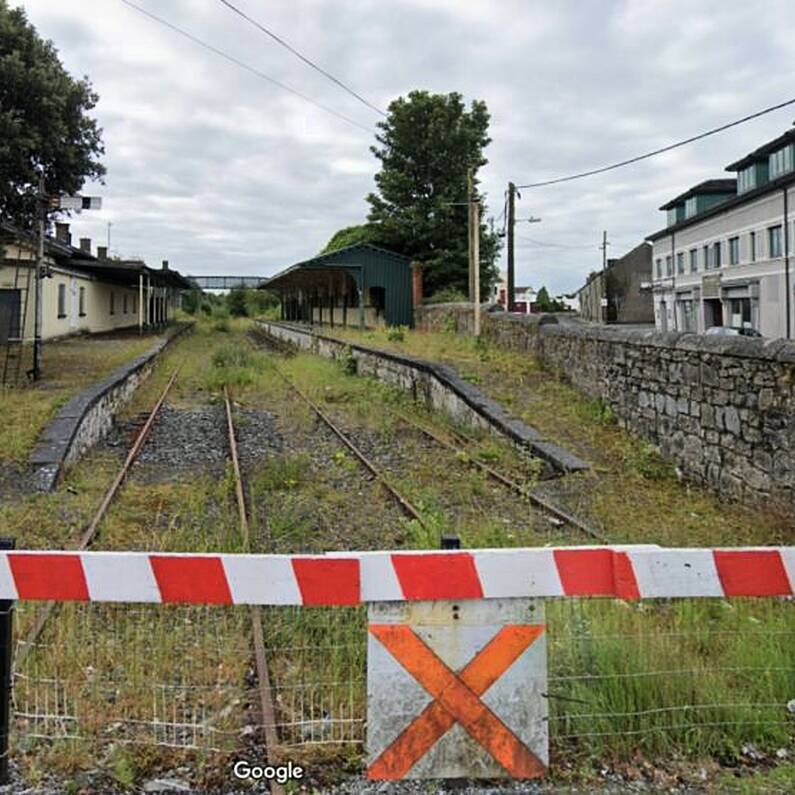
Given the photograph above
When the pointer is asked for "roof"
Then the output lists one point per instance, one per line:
(734, 201)
(123, 271)
(710, 186)
(763, 151)
(128, 271)
(332, 258)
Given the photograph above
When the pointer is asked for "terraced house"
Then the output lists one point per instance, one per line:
(723, 258)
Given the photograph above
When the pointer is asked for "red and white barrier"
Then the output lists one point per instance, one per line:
(639, 572)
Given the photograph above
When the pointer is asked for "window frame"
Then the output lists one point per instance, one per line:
(734, 250)
(752, 246)
(680, 263)
(81, 301)
(61, 300)
(693, 260)
(717, 255)
(775, 233)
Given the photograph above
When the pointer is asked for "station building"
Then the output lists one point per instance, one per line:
(360, 285)
(80, 292)
(724, 257)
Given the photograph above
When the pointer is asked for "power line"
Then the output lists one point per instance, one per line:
(243, 65)
(660, 151)
(554, 245)
(306, 60)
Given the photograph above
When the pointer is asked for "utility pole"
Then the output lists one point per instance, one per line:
(470, 198)
(473, 228)
(511, 222)
(604, 246)
(41, 212)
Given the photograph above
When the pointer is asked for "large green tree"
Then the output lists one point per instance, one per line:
(351, 235)
(427, 145)
(44, 126)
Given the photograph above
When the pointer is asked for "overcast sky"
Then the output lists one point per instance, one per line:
(219, 171)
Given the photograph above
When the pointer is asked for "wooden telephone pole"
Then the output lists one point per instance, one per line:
(511, 222)
(473, 228)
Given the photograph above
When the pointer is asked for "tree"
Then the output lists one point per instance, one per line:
(428, 144)
(236, 302)
(349, 236)
(43, 123)
(543, 300)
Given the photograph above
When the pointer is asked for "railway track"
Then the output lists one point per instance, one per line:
(459, 449)
(90, 534)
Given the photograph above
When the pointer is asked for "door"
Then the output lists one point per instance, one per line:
(663, 316)
(10, 301)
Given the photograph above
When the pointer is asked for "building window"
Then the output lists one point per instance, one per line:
(716, 255)
(746, 179)
(659, 268)
(782, 162)
(112, 302)
(81, 302)
(124, 304)
(774, 241)
(687, 315)
(734, 251)
(680, 262)
(669, 265)
(61, 300)
(693, 260)
(752, 246)
(740, 312)
(691, 207)
(707, 259)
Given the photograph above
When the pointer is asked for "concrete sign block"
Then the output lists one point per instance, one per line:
(454, 690)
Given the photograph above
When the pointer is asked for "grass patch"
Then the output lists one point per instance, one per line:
(68, 366)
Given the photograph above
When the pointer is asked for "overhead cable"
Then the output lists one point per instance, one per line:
(302, 57)
(253, 70)
(654, 153)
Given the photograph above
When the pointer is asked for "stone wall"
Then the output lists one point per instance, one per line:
(721, 408)
(435, 385)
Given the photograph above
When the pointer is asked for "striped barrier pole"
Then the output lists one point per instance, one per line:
(351, 578)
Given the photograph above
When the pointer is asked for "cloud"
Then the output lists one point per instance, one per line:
(219, 171)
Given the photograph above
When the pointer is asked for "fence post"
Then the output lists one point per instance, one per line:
(6, 668)
(450, 542)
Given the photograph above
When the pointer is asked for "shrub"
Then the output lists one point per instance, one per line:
(396, 333)
(236, 302)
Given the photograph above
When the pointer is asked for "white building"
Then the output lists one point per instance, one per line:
(523, 296)
(724, 256)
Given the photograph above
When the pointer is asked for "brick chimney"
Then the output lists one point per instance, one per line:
(165, 264)
(416, 283)
(62, 233)
(85, 244)
(102, 252)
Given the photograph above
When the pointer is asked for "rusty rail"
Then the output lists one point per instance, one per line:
(494, 474)
(404, 504)
(91, 531)
(267, 711)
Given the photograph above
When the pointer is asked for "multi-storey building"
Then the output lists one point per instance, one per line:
(724, 257)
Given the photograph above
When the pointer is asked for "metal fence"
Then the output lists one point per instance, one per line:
(660, 677)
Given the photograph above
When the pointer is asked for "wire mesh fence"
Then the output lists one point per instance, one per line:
(684, 677)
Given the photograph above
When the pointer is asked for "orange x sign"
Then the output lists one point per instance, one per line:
(456, 700)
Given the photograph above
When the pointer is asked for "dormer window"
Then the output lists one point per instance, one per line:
(782, 161)
(746, 179)
(691, 207)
